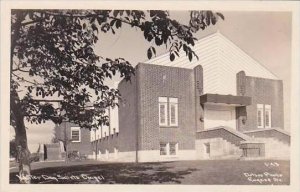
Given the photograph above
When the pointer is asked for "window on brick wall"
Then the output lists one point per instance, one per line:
(168, 149)
(260, 116)
(264, 116)
(173, 111)
(173, 148)
(163, 148)
(268, 116)
(163, 103)
(75, 134)
(168, 111)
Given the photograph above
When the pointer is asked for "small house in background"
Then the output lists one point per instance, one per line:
(223, 106)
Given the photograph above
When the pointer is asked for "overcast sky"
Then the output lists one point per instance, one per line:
(265, 36)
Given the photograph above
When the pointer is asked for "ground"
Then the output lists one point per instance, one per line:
(210, 172)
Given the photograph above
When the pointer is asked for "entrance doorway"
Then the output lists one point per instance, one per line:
(219, 115)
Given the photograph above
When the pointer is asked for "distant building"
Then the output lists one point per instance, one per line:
(224, 105)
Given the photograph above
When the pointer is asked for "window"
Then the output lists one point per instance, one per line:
(168, 149)
(163, 149)
(163, 101)
(168, 111)
(207, 148)
(260, 116)
(173, 148)
(75, 134)
(264, 116)
(173, 111)
(268, 116)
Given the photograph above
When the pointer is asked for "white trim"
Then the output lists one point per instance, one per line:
(173, 100)
(163, 99)
(76, 129)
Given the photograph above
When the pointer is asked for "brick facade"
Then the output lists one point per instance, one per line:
(161, 81)
(262, 91)
(63, 132)
(125, 140)
(140, 134)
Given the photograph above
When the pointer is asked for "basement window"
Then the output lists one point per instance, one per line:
(168, 149)
(163, 149)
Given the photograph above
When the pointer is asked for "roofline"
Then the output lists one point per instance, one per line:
(166, 53)
(247, 54)
(226, 38)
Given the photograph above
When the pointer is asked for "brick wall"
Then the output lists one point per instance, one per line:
(84, 146)
(162, 81)
(125, 140)
(262, 91)
(199, 114)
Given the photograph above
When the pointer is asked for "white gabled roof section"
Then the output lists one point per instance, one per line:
(221, 60)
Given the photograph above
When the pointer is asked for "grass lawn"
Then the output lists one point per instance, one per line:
(210, 172)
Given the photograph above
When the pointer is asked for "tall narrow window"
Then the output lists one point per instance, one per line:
(75, 134)
(268, 116)
(163, 101)
(260, 117)
(173, 111)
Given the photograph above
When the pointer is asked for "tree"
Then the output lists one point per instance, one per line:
(12, 148)
(53, 61)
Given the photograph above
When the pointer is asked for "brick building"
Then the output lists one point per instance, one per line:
(224, 105)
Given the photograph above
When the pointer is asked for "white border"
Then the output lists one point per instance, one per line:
(169, 5)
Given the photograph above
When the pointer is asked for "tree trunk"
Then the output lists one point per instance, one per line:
(23, 154)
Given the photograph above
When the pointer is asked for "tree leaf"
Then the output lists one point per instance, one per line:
(190, 56)
(149, 53)
(94, 27)
(172, 56)
(118, 24)
(112, 22)
(153, 50)
(115, 13)
(221, 15)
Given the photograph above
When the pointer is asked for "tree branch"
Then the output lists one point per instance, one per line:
(22, 79)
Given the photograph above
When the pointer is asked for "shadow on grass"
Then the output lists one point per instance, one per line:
(129, 173)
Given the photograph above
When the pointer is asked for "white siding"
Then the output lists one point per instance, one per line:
(221, 61)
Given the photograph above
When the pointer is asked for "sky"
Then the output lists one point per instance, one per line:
(265, 36)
